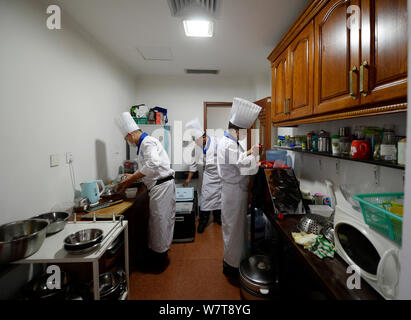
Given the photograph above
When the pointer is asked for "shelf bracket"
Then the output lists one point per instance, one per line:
(377, 175)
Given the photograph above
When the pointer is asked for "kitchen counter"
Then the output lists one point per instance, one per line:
(136, 212)
(117, 209)
(330, 273)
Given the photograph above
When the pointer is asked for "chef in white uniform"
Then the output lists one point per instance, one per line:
(235, 165)
(206, 156)
(156, 174)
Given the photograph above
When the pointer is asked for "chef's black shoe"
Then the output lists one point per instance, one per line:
(201, 227)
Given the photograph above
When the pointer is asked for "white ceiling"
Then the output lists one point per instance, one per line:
(246, 31)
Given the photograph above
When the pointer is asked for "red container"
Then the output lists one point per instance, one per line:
(158, 118)
(361, 149)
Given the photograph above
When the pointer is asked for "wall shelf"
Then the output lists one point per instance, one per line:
(348, 158)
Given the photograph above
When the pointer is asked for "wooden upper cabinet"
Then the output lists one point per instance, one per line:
(383, 69)
(279, 88)
(341, 55)
(301, 64)
(336, 59)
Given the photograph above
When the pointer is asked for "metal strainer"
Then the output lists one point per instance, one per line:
(310, 224)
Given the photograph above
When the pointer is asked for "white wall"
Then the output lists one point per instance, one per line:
(59, 92)
(184, 96)
(262, 84)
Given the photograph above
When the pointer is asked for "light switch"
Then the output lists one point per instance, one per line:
(54, 160)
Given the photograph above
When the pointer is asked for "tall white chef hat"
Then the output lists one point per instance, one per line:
(195, 128)
(126, 123)
(244, 113)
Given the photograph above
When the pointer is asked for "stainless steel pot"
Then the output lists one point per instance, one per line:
(21, 239)
(111, 286)
(258, 279)
(57, 221)
(328, 233)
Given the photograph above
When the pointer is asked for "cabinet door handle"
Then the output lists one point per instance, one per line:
(352, 94)
(362, 90)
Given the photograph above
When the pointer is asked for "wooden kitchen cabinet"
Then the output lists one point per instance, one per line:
(359, 50)
(384, 47)
(301, 68)
(293, 78)
(279, 87)
(337, 58)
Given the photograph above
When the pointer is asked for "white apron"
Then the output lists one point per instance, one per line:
(154, 163)
(234, 221)
(162, 216)
(234, 199)
(210, 195)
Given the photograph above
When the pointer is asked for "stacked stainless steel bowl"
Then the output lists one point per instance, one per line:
(57, 221)
(83, 241)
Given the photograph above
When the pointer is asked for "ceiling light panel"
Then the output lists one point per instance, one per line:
(198, 28)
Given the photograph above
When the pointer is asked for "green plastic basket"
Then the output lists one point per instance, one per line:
(141, 120)
(377, 217)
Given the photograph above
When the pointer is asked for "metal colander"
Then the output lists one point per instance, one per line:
(310, 224)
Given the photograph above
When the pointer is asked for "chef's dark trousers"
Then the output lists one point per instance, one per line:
(205, 215)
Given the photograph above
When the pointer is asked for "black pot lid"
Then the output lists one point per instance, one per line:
(257, 269)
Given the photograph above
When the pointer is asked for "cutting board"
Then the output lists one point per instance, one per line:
(107, 213)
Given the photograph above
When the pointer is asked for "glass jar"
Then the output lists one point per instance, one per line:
(388, 148)
(345, 146)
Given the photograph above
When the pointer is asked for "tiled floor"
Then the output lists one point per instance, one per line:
(194, 273)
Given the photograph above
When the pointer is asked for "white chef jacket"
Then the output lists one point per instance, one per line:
(210, 198)
(234, 168)
(152, 160)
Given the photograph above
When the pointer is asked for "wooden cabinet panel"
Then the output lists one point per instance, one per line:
(279, 88)
(337, 59)
(384, 50)
(301, 62)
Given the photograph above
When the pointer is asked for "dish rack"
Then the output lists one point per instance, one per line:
(377, 217)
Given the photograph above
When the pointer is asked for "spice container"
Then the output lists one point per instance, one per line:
(314, 147)
(310, 141)
(402, 151)
(388, 148)
(335, 145)
(345, 145)
(323, 142)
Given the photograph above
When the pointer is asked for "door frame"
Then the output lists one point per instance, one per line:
(213, 104)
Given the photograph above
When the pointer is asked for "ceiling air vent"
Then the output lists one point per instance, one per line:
(181, 8)
(202, 71)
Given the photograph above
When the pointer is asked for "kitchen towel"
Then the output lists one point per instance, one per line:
(304, 239)
(322, 248)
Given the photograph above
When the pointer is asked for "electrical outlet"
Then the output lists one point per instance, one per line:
(69, 157)
(54, 160)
